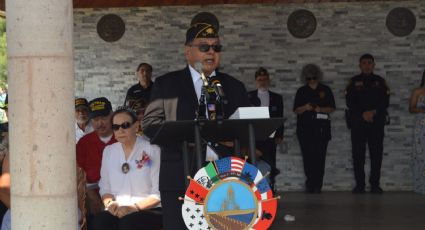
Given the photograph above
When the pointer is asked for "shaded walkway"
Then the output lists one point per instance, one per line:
(344, 211)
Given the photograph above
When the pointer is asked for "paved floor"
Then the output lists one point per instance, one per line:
(344, 211)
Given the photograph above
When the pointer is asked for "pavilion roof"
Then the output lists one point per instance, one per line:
(141, 3)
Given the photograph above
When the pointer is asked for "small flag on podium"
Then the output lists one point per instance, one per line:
(196, 192)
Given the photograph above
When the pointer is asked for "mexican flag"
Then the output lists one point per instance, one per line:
(207, 176)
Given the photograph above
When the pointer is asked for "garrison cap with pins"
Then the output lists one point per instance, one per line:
(203, 25)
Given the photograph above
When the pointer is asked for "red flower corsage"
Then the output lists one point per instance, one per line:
(145, 160)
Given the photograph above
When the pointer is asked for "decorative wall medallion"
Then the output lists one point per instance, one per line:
(401, 21)
(302, 23)
(111, 27)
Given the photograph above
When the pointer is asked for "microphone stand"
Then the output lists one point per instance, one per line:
(202, 107)
(200, 116)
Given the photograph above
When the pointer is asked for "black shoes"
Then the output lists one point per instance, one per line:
(376, 190)
(373, 190)
(358, 190)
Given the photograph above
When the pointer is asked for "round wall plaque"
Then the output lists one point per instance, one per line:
(302, 23)
(111, 27)
(401, 21)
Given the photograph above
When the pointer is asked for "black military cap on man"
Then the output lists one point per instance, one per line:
(206, 17)
(99, 107)
(200, 30)
(81, 102)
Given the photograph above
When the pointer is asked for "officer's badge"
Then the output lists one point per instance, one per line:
(229, 194)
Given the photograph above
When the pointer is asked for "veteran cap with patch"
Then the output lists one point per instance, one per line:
(206, 17)
(200, 30)
(100, 107)
(81, 102)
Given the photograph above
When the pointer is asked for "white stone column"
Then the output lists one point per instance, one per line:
(41, 113)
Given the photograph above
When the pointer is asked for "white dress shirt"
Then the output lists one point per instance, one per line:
(139, 182)
(264, 96)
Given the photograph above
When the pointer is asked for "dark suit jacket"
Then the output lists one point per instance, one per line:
(275, 107)
(174, 98)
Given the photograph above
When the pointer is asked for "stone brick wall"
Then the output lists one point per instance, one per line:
(257, 35)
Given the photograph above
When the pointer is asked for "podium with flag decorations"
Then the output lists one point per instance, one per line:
(210, 201)
(242, 131)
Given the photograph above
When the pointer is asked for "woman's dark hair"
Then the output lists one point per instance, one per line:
(423, 79)
(145, 64)
(311, 70)
(127, 110)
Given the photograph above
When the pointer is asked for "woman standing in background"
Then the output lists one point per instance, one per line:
(417, 106)
(313, 103)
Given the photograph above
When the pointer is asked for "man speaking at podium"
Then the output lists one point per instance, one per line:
(175, 96)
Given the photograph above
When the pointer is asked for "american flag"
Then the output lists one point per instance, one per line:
(237, 164)
(227, 164)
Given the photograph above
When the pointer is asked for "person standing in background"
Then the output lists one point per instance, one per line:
(367, 97)
(262, 96)
(141, 90)
(313, 104)
(417, 106)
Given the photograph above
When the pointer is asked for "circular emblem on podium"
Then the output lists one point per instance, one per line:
(401, 21)
(111, 27)
(229, 193)
(301, 23)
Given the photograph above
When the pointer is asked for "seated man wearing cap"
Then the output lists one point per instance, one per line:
(90, 149)
(175, 96)
(82, 124)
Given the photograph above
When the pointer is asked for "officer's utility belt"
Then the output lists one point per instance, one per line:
(322, 116)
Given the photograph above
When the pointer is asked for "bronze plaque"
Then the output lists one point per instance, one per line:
(111, 27)
(401, 21)
(302, 23)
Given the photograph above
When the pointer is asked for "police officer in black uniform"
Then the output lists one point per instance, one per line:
(141, 90)
(313, 103)
(367, 98)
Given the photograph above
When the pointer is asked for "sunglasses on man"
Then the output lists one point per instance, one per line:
(205, 47)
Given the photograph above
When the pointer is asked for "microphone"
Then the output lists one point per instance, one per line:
(198, 67)
(218, 87)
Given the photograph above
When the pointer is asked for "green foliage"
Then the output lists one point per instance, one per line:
(3, 55)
